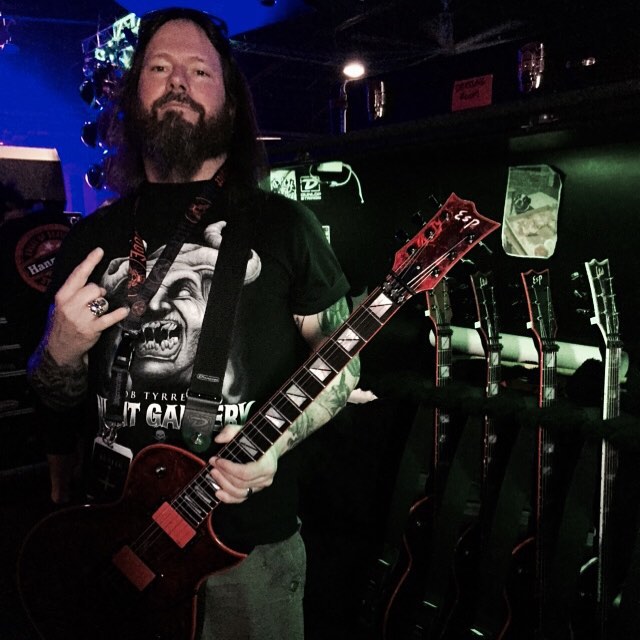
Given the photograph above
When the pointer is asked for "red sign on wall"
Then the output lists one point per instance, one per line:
(472, 93)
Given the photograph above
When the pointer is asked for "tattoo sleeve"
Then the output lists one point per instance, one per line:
(334, 397)
(59, 387)
(331, 318)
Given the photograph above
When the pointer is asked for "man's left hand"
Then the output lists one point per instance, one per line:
(238, 481)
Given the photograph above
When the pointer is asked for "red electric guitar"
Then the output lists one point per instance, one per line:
(469, 545)
(406, 615)
(527, 590)
(131, 570)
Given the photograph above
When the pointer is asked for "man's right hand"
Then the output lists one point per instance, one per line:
(73, 328)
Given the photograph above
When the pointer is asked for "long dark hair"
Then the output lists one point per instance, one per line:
(246, 157)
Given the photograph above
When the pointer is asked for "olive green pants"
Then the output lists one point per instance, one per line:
(260, 598)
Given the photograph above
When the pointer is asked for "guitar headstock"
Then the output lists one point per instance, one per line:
(605, 313)
(487, 323)
(454, 230)
(542, 320)
(439, 305)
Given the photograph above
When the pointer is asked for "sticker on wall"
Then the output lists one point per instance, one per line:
(530, 221)
(310, 188)
(283, 181)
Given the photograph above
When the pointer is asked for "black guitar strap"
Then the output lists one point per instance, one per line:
(503, 531)
(577, 520)
(140, 295)
(463, 475)
(205, 390)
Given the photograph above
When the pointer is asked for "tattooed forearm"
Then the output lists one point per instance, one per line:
(315, 329)
(326, 406)
(59, 387)
(330, 319)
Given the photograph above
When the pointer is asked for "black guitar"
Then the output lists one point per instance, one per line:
(469, 545)
(132, 569)
(407, 615)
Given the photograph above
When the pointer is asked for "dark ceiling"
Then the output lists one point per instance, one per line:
(294, 65)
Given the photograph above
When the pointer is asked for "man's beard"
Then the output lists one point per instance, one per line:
(177, 148)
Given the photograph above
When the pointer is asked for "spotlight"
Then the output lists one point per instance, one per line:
(89, 134)
(87, 92)
(353, 69)
(268, 3)
(95, 176)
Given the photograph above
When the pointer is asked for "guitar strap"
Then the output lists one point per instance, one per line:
(503, 531)
(410, 478)
(577, 520)
(409, 485)
(205, 390)
(463, 474)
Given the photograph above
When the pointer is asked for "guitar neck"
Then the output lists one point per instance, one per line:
(494, 376)
(605, 317)
(443, 378)
(487, 326)
(439, 312)
(271, 421)
(543, 326)
(608, 466)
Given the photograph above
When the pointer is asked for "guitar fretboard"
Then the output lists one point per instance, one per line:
(268, 424)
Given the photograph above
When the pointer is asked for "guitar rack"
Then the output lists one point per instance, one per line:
(583, 428)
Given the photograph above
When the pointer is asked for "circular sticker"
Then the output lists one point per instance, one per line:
(35, 254)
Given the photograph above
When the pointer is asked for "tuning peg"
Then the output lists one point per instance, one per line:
(435, 201)
(580, 292)
(401, 236)
(418, 219)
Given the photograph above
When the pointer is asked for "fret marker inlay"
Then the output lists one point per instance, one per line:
(296, 395)
(320, 369)
(380, 305)
(348, 339)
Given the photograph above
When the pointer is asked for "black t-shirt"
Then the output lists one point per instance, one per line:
(292, 270)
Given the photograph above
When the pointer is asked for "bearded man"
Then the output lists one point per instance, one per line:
(186, 141)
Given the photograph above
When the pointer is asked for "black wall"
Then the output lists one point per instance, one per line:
(589, 136)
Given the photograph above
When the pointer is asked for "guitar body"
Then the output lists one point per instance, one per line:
(524, 607)
(86, 595)
(405, 617)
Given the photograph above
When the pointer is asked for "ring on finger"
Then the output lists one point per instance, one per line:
(98, 307)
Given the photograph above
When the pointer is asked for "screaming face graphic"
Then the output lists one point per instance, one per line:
(171, 324)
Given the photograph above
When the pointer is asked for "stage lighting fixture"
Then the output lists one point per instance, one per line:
(353, 69)
(89, 134)
(5, 36)
(87, 91)
(95, 177)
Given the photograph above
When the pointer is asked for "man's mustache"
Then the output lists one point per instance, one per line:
(181, 98)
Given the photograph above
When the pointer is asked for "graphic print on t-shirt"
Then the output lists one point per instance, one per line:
(163, 361)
